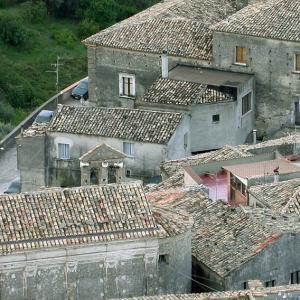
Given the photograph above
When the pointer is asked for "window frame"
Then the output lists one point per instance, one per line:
(131, 152)
(65, 151)
(250, 102)
(185, 140)
(132, 90)
(236, 62)
(212, 119)
(296, 57)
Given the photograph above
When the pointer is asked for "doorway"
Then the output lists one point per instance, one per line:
(297, 113)
(94, 177)
(112, 174)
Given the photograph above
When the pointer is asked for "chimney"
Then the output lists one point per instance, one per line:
(164, 64)
(254, 136)
(276, 175)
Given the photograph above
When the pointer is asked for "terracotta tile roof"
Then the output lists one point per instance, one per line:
(180, 26)
(35, 129)
(229, 152)
(224, 238)
(168, 91)
(261, 292)
(122, 123)
(60, 217)
(226, 153)
(274, 19)
(281, 196)
(262, 168)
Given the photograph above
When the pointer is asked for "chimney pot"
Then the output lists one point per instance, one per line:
(164, 64)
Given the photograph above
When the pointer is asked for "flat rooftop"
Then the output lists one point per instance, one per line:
(209, 76)
(261, 169)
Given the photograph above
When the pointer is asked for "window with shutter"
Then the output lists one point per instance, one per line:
(128, 149)
(297, 62)
(240, 55)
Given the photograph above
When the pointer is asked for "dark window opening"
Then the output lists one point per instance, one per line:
(245, 285)
(164, 258)
(246, 104)
(295, 278)
(216, 118)
(270, 283)
(128, 173)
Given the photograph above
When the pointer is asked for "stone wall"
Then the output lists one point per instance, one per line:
(276, 262)
(145, 162)
(272, 63)
(31, 156)
(100, 271)
(105, 64)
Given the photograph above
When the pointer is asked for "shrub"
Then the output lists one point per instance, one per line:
(5, 128)
(87, 28)
(6, 111)
(64, 37)
(21, 95)
(12, 31)
(34, 12)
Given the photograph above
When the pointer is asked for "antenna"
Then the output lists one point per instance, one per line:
(56, 71)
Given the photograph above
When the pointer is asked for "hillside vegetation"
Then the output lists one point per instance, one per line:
(34, 33)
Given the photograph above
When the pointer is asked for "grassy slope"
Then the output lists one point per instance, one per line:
(33, 59)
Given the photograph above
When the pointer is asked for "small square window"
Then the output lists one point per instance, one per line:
(270, 283)
(63, 151)
(297, 62)
(128, 148)
(163, 259)
(126, 85)
(216, 118)
(240, 55)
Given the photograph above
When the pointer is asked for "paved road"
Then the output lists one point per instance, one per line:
(8, 166)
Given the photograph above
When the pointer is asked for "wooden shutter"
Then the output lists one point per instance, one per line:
(297, 65)
(240, 55)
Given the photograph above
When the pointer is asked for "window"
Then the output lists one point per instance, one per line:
(245, 285)
(295, 277)
(240, 55)
(246, 104)
(126, 85)
(185, 140)
(128, 173)
(216, 118)
(63, 151)
(270, 283)
(297, 62)
(128, 149)
(164, 258)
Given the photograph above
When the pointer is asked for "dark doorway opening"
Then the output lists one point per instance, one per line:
(94, 177)
(297, 113)
(112, 174)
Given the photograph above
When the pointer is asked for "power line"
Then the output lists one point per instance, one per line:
(187, 276)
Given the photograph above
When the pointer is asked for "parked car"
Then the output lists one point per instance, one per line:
(44, 116)
(81, 90)
(14, 187)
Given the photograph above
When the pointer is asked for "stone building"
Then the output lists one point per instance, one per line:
(221, 104)
(135, 56)
(68, 151)
(126, 59)
(231, 246)
(97, 242)
(262, 39)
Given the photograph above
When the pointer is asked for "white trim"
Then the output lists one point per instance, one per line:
(130, 76)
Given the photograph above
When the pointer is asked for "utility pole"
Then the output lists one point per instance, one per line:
(56, 71)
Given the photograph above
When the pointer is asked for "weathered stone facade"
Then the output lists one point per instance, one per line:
(114, 270)
(272, 62)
